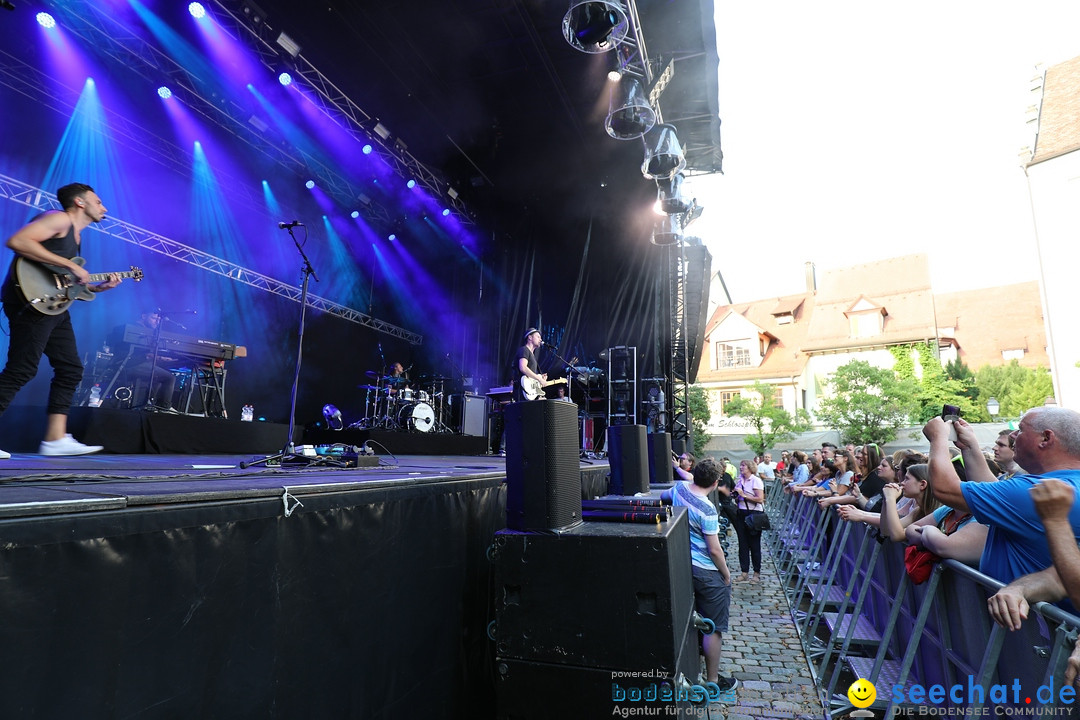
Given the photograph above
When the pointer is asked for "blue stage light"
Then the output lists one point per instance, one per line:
(309, 184)
(392, 237)
(285, 79)
(164, 93)
(445, 212)
(355, 214)
(366, 149)
(46, 20)
(197, 10)
(411, 184)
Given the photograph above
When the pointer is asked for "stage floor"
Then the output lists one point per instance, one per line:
(34, 485)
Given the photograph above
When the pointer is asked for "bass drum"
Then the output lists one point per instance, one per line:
(416, 416)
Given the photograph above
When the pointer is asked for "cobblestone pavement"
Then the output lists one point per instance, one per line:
(762, 649)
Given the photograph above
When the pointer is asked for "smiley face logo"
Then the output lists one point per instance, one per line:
(862, 693)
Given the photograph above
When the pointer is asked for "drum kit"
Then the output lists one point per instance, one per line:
(391, 404)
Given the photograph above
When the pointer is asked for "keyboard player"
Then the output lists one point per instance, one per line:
(142, 366)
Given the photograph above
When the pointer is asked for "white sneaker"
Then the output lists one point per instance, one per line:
(67, 445)
(5, 455)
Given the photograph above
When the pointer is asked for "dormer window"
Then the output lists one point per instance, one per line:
(867, 319)
(732, 355)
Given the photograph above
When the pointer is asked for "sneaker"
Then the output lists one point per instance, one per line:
(727, 685)
(67, 445)
(5, 455)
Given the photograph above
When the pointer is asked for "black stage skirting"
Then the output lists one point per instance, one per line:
(362, 593)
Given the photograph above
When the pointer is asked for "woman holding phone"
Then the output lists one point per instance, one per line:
(750, 500)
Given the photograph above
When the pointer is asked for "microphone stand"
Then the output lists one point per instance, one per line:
(289, 451)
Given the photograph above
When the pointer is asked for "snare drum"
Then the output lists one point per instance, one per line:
(416, 416)
(422, 396)
(406, 395)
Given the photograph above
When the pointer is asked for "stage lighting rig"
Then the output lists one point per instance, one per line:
(595, 26)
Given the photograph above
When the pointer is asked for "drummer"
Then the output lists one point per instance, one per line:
(396, 379)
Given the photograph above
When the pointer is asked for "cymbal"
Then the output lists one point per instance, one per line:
(435, 378)
(391, 380)
(367, 387)
(372, 374)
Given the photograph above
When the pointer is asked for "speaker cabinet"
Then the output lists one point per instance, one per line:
(469, 413)
(543, 475)
(527, 690)
(628, 456)
(660, 458)
(608, 595)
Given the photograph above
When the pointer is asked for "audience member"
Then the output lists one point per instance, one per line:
(750, 500)
(1005, 455)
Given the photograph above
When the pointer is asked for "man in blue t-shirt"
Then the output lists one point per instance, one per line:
(708, 557)
(1047, 444)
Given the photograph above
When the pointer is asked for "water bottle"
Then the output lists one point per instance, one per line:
(95, 395)
(247, 413)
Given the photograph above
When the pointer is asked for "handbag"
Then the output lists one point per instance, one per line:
(918, 561)
(758, 521)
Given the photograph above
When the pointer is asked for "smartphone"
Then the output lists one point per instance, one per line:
(950, 413)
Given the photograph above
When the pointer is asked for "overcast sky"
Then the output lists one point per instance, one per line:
(856, 131)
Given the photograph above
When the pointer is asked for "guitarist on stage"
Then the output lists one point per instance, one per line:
(527, 365)
(53, 239)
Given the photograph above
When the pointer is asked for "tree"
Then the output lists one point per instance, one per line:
(867, 403)
(935, 388)
(959, 371)
(771, 425)
(697, 401)
(1015, 387)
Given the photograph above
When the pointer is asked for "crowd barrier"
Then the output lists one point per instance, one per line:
(906, 639)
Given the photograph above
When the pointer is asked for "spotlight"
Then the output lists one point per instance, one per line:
(445, 212)
(285, 79)
(669, 195)
(197, 10)
(666, 230)
(663, 154)
(46, 20)
(309, 184)
(629, 114)
(614, 75)
(411, 184)
(391, 237)
(164, 93)
(381, 130)
(288, 44)
(366, 149)
(595, 27)
(333, 417)
(355, 214)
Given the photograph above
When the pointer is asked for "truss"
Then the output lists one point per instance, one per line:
(93, 23)
(22, 193)
(335, 104)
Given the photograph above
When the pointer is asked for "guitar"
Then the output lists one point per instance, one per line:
(51, 292)
(533, 389)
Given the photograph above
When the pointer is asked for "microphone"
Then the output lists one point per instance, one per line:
(287, 225)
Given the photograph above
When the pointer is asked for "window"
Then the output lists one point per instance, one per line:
(1014, 354)
(727, 396)
(778, 398)
(866, 324)
(732, 356)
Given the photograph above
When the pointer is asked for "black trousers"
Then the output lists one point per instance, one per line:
(34, 334)
(749, 544)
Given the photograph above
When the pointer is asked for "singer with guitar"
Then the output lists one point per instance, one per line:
(531, 382)
(51, 239)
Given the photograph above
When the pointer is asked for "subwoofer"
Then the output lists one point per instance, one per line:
(629, 458)
(543, 475)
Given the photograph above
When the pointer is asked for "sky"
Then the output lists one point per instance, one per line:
(858, 131)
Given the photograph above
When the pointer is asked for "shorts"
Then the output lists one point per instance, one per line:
(712, 596)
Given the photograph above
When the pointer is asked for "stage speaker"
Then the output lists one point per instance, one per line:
(469, 413)
(543, 475)
(608, 595)
(526, 690)
(660, 458)
(628, 456)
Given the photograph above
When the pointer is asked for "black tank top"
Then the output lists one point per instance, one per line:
(64, 246)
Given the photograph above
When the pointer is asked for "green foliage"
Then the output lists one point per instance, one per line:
(770, 425)
(868, 403)
(1015, 387)
(959, 371)
(935, 386)
(697, 401)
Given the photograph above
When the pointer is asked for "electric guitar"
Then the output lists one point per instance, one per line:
(533, 389)
(51, 292)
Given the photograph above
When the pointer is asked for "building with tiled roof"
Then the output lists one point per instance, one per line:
(793, 343)
(1052, 171)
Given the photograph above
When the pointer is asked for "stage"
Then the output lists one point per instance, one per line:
(164, 585)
